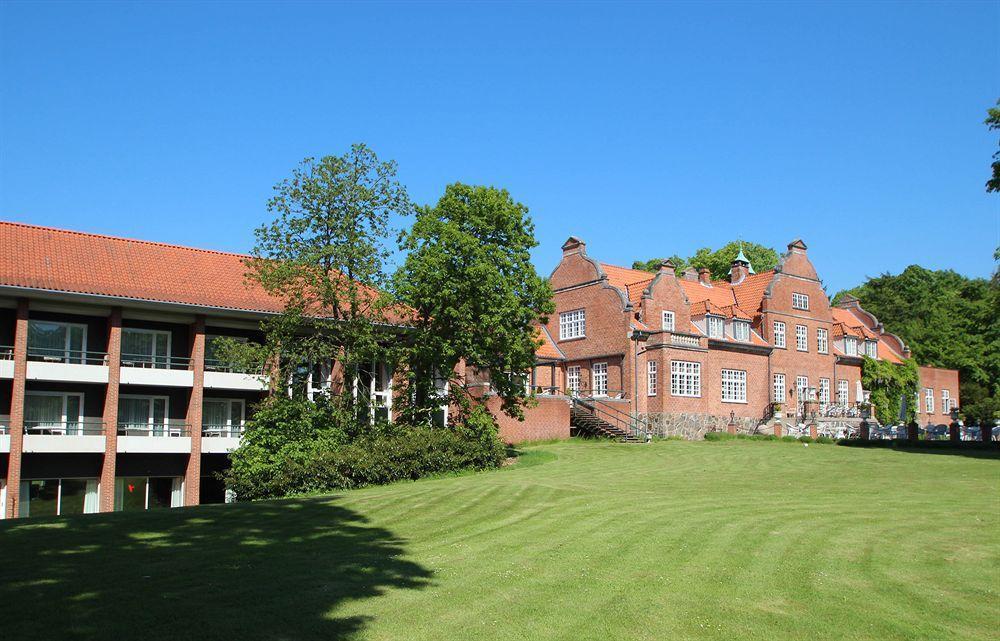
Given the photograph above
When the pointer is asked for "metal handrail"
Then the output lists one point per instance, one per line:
(607, 412)
(69, 356)
(159, 430)
(155, 362)
(210, 430)
(216, 365)
(6, 352)
(587, 392)
(64, 428)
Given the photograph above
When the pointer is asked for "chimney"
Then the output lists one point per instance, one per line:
(667, 267)
(574, 245)
(689, 274)
(704, 276)
(797, 245)
(737, 273)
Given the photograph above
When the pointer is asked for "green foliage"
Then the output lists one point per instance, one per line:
(825, 440)
(993, 123)
(889, 384)
(979, 407)
(787, 438)
(719, 261)
(476, 296)
(805, 439)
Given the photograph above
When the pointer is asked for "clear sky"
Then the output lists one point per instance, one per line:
(646, 129)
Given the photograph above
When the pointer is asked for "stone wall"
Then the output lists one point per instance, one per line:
(694, 426)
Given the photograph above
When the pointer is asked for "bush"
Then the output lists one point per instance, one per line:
(787, 438)
(739, 436)
(806, 439)
(826, 440)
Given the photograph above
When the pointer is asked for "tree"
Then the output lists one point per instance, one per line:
(324, 257)
(993, 123)
(719, 261)
(476, 296)
(890, 384)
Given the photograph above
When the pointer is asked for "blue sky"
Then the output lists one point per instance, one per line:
(646, 129)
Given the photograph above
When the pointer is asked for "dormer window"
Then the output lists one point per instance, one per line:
(668, 321)
(715, 326)
(800, 301)
(741, 330)
(871, 348)
(850, 346)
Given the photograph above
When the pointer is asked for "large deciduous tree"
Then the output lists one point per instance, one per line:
(469, 277)
(993, 123)
(718, 261)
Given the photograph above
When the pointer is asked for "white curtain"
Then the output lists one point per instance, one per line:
(42, 410)
(134, 413)
(91, 500)
(177, 493)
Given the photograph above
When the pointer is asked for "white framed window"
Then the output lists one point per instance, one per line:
(824, 393)
(802, 338)
(53, 413)
(685, 378)
(801, 387)
(715, 326)
(573, 379)
(859, 392)
(651, 378)
(57, 341)
(778, 388)
(850, 346)
(871, 348)
(600, 374)
(145, 416)
(734, 386)
(145, 347)
(929, 400)
(135, 493)
(572, 324)
(56, 497)
(667, 322)
(222, 417)
(800, 301)
(945, 401)
(822, 341)
(779, 334)
(916, 402)
(842, 393)
(741, 330)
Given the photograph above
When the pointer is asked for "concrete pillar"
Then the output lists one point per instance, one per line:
(110, 416)
(17, 410)
(813, 431)
(192, 476)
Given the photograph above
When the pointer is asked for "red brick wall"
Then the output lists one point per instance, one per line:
(937, 379)
(547, 420)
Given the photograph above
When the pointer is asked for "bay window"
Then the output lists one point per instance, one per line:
(685, 378)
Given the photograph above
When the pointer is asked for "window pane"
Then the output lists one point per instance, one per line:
(39, 498)
(236, 413)
(159, 492)
(134, 413)
(46, 337)
(135, 343)
(132, 494)
(214, 414)
(76, 354)
(43, 410)
(72, 414)
(74, 493)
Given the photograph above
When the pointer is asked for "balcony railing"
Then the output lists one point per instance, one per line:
(69, 356)
(686, 340)
(588, 392)
(209, 430)
(64, 428)
(6, 353)
(155, 362)
(216, 365)
(165, 430)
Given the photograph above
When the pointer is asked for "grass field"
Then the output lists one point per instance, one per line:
(675, 540)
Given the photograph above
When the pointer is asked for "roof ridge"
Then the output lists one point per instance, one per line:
(126, 239)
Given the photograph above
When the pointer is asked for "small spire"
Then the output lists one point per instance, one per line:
(742, 258)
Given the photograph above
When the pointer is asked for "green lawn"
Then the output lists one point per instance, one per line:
(675, 540)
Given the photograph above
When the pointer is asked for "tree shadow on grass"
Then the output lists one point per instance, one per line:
(971, 449)
(275, 570)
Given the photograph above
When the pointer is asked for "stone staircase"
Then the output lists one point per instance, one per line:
(589, 419)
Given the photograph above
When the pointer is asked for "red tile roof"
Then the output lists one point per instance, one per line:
(548, 349)
(70, 261)
(632, 282)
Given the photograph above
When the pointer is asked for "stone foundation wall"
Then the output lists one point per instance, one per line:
(694, 426)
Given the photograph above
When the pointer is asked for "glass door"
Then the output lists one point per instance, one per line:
(142, 415)
(57, 342)
(52, 413)
(146, 348)
(222, 417)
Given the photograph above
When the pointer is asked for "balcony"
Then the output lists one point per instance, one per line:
(6, 361)
(220, 439)
(685, 340)
(164, 371)
(220, 375)
(156, 438)
(66, 365)
(67, 437)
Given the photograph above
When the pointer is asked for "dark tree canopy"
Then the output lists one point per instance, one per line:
(718, 261)
(993, 123)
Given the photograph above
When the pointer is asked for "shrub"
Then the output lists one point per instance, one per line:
(788, 438)
(826, 440)
(806, 439)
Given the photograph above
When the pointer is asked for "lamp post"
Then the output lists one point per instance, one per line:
(638, 336)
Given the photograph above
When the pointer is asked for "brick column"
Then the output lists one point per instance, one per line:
(17, 410)
(192, 476)
(110, 415)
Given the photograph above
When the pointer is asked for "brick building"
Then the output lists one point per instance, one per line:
(692, 354)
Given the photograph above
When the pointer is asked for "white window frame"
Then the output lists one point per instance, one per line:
(167, 427)
(824, 393)
(228, 427)
(715, 325)
(743, 334)
(667, 321)
(822, 340)
(850, 346)
(685, 379)
(929, 400)
(573, 379)
(573, 324)
(778, 390)
(801, 388)
(64, 425)
(177, 490)
(599, 379)
(800, 301)
(25, 498)
(651, 378)
(859, 392)
(153, 362)
(801, 338)
(843, 392)
(734, 386)
(871, 348)
(945, 401)
(67, 356)
(779, 334)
